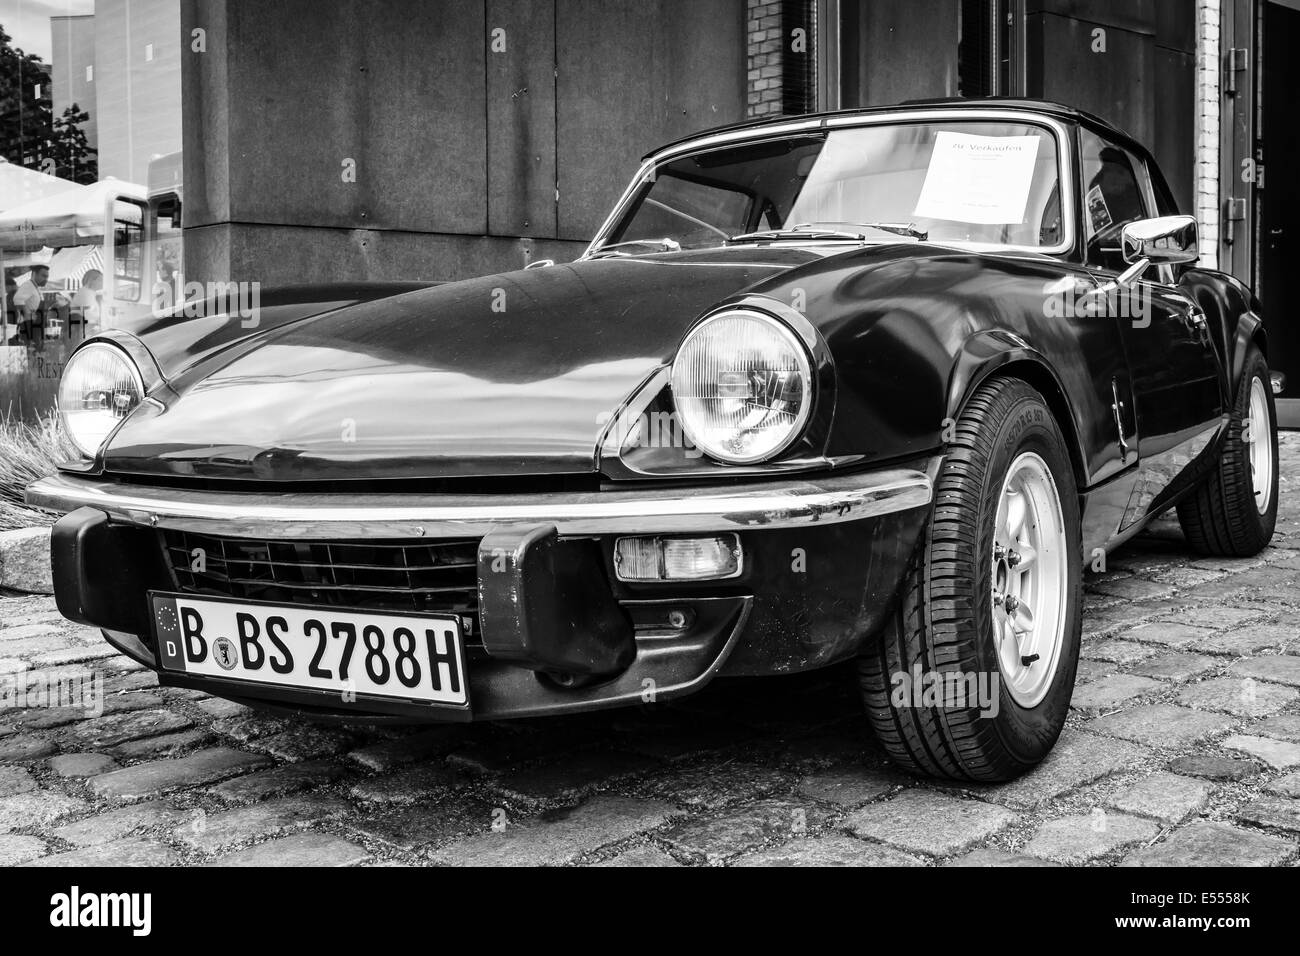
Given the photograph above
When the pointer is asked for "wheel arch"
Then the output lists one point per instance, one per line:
(999, 355)
(1250, 331)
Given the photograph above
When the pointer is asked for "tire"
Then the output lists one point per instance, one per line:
(1227, 515)
(948, 621)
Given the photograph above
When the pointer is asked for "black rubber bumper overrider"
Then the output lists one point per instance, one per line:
(546, 604)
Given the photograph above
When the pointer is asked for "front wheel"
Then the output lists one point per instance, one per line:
(1233, 512)
(972, 676)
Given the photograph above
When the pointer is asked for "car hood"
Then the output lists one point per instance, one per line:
(505, 375)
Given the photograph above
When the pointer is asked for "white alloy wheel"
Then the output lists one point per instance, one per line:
(1030, 580)
(1259, 435)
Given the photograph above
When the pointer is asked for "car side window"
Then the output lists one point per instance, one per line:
(1112, 198)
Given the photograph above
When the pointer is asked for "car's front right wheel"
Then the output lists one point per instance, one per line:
(972, 675)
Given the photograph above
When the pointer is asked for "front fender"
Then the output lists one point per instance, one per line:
(997, 351)
(915, 329)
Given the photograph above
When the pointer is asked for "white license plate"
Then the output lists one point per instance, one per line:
(353, 654)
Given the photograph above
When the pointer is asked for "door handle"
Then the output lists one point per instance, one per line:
(1117, 410)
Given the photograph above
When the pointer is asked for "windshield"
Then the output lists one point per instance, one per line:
(991, 183)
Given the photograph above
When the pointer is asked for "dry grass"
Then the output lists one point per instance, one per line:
(27, 452)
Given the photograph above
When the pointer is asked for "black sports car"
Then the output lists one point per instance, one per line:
(876, 384)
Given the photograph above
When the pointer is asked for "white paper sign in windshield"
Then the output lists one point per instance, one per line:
(978, 179)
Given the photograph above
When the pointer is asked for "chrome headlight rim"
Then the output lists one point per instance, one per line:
(106, 347)
(808, 368)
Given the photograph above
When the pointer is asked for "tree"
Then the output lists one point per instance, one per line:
(70, 155)
(26, 119)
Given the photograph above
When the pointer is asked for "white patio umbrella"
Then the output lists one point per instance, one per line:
(67, 266)
(19, 185)
(65, 219)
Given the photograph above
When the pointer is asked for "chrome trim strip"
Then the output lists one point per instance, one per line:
(793, 503)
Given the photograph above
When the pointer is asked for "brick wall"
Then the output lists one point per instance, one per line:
(1206, 174)
(765, 57)
(781, 37)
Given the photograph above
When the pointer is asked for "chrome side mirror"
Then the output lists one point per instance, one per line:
(1168, 240)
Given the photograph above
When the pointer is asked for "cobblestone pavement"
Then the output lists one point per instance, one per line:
(1183, 747)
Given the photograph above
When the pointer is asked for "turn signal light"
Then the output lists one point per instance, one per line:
(710, 558)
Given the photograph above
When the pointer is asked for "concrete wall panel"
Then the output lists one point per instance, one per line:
(1066, 64)
(521, 117)
(1137, 15)
(205, 107)
(633, 74)
(311, 88)
(1176, 25)
(287, 254)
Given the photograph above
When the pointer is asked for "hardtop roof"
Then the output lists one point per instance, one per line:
(1057, 111)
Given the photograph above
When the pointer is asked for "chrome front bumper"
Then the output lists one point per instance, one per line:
(774, 504)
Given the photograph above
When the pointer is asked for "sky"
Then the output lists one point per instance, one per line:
(28, 21)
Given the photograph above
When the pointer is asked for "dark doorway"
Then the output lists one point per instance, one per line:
(1279, 235)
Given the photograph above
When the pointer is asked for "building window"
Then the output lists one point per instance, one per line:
(985, 52)
(148, 52)
(976, 50)
(799, 69)
(90, 74)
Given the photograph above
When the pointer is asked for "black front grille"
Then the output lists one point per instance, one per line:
(409, 576)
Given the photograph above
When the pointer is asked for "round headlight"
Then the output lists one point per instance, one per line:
(100, 387)
(742, 384)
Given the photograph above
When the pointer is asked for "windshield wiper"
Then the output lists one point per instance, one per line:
(797, 232)
(665, 245)
(897, 228)
(809, 230)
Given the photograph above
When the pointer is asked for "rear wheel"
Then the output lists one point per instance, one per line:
(1234, 511)
(972, 675)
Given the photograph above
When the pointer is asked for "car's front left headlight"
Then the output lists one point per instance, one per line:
(100, 387)
(742, 385)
